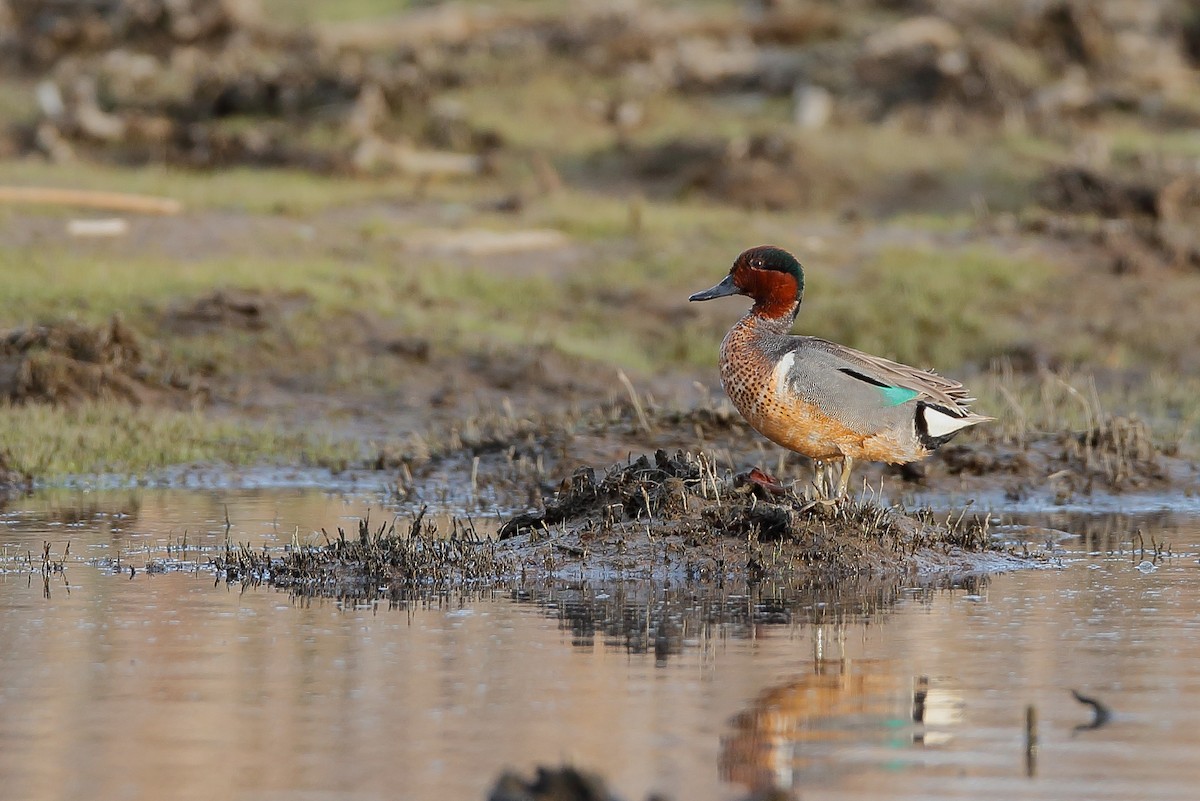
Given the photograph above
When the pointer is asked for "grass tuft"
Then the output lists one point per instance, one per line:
(114, 438)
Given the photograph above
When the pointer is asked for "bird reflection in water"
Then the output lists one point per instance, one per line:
(790, 731)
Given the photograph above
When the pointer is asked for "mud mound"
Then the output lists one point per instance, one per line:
(676, 510)
(1143, 223)
(43, 31)
(760, 172)
(201, 83)
(670, 516)
(66, 362)
(233, 309)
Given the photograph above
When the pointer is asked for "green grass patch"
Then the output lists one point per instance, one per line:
(1132, 141)
(45, 282)
(51, 442)
(1028, 405)
(307, 12)
(929, 308)
(624, 303)
(271, 191)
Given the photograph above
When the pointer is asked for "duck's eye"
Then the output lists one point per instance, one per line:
(757, 263)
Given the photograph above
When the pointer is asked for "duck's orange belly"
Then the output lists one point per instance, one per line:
(801, 426)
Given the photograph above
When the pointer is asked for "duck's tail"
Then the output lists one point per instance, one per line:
(937, 424)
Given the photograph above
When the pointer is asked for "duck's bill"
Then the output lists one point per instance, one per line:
(723, 289)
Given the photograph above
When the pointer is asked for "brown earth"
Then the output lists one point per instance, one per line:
(66, 362)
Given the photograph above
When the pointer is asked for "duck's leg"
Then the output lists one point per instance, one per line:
(844, 481)
(822, 486)
(819, 484)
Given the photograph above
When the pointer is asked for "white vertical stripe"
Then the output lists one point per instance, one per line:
(783, 371)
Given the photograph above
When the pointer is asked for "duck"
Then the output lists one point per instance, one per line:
(823, 400)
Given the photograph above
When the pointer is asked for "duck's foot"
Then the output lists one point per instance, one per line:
(761, 482)
(824, 503)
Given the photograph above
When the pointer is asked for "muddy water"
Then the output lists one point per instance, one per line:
(166, 684)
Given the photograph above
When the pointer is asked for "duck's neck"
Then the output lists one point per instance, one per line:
(771, 317)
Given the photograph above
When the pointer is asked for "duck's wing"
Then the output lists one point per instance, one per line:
(897, 382)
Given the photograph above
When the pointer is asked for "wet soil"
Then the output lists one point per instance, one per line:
(673, 515)
(670, 517)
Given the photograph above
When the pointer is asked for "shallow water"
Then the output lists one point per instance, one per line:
(153, 685)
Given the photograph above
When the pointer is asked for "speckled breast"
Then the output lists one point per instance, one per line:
(750, 380)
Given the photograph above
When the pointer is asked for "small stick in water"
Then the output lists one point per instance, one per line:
(1031, 740)
(1101, 714)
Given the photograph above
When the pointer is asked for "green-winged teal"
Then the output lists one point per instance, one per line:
(820, 399)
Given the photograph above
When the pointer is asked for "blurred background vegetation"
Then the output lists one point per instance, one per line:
(396, 215)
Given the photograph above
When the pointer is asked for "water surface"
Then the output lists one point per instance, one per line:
(151, 685)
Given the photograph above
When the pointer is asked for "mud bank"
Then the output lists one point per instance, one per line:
(666, 517)
(676, 516)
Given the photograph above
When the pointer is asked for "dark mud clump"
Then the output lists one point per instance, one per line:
(233, 309)
(569, 783)
(1076, 190)
(765, 171)
(207, 83)
(675, 514)
(357, 566)
(66, 362)
(1144, 222)
(551, 784)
